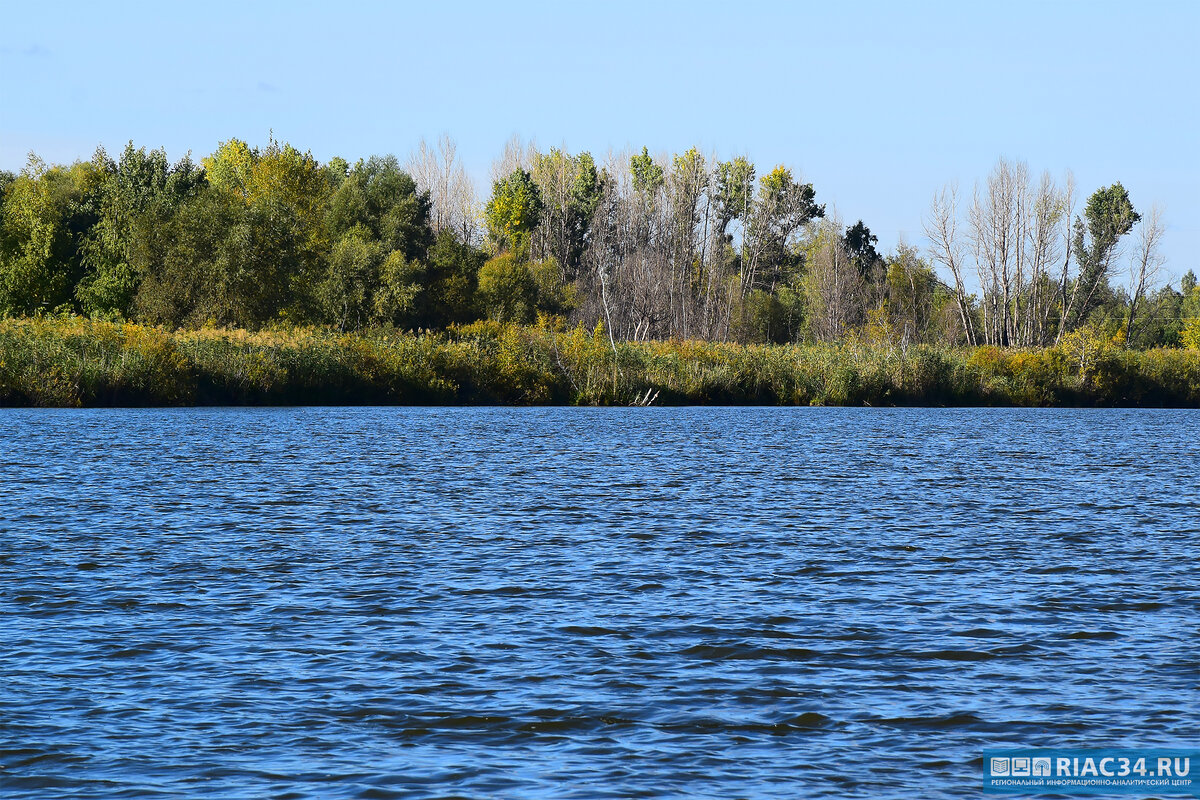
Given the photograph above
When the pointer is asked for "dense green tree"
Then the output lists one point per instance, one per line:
(585, 192)
(1187, 283)
(230, 168)
(1108, 216)
(860, 245)
(735, 191)
(1161, 323)
(783, 207)
(402, 284)
(646, 173)
(508, 291)
(281, 242)
(1189, 311)
(336, 171)
(382, 197)
(512, 289)
(365, 285)
(141, 190)
(513, 211)
(188, 276)
(48, 212)
(452, 279)
(346, 290)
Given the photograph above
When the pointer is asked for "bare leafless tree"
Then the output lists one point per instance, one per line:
(1043, 247)
(1066, 284)
(1145, 265)
(941, 227)
(995, 223)
(517, 154)
(451, 191)
(1018, 231)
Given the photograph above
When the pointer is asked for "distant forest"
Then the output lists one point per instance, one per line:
(653, 247)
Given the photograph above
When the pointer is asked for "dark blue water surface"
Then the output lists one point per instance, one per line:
(569, 603)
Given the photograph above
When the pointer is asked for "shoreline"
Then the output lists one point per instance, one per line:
(76, 362)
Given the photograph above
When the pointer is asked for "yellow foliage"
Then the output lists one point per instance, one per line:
(1190, 336)
(988, 357)
(1083, 349)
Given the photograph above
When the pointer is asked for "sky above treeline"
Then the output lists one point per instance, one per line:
(877, 104)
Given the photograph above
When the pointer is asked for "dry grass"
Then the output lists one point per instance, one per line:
(78, 362)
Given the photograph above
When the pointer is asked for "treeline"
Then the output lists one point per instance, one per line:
(683, 247)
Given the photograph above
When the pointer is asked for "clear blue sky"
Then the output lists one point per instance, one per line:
(877, 104)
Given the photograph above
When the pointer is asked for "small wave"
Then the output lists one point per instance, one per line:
(1024, 648)
(1145, 606)
(731, 652)
(955, 655)
(513, 591)
(572, 724)
(807, 721)
(1102, 635)
(591, 630)
(957, 720)
(981, 633)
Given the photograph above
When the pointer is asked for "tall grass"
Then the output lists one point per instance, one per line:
(77, 362)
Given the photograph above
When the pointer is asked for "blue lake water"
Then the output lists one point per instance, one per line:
(579, 603)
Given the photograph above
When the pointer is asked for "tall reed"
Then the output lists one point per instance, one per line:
(77, 362)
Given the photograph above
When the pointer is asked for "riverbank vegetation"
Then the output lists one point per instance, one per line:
(74, 361)
(262, 275)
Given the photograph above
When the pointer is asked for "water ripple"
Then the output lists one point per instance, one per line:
(586, 603)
